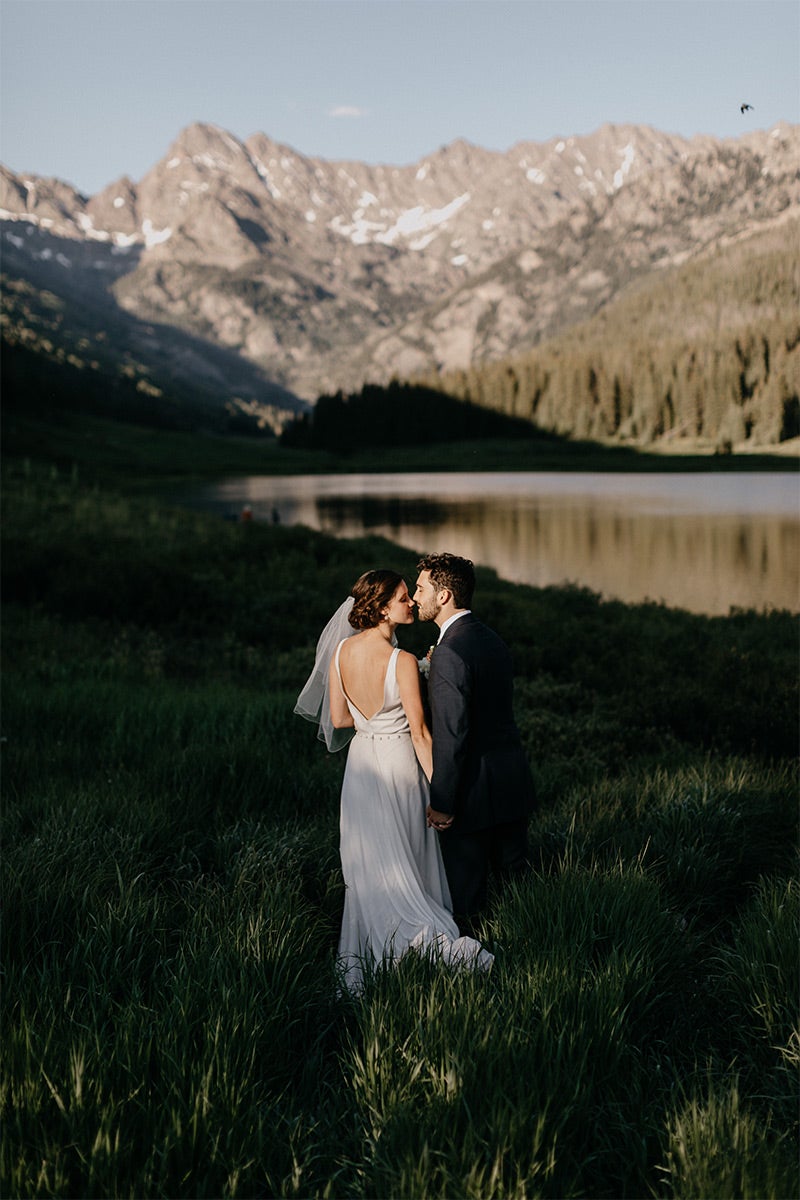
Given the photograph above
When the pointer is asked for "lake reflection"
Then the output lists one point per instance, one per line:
(700, 542)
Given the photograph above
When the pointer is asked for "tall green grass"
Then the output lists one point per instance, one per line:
(172, 893)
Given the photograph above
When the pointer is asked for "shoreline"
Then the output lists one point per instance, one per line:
(138, 459)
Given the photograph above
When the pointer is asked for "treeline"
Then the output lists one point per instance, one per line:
(709, 350)
(401, 414)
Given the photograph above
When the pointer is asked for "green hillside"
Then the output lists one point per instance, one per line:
(708, 351)
(69, 350)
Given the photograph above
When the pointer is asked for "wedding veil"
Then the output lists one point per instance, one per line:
(312, 703)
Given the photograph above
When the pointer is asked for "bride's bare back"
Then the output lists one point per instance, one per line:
(363, 662)
(360, 677)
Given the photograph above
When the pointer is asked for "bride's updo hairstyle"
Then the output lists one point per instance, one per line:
(371, 593)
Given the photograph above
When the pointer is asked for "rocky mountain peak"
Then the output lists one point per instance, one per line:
(326, 274)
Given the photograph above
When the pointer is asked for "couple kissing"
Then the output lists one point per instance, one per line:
(428, 807)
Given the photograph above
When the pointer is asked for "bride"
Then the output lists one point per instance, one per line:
(365, 688)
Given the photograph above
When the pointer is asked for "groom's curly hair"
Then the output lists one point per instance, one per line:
(451, 572)
(372, 591)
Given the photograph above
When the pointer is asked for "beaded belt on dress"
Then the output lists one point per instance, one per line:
(382, 737)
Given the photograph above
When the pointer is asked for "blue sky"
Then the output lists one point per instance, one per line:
(94, 89)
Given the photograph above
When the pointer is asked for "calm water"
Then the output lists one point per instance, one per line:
(701, 542)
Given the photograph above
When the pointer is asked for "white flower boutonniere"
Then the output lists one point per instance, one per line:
(424, 664)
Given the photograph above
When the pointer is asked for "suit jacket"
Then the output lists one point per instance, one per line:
(480, 772)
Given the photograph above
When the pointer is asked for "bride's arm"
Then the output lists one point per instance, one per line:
(411, 699)
(341, 716)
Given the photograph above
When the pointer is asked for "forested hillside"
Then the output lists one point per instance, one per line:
(78, 353)
(709, 350)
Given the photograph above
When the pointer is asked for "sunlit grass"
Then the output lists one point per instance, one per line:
(719, 1146)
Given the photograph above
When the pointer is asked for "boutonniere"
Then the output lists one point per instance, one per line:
(424, 664)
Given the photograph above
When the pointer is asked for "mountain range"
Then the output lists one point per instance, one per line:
(260, 278)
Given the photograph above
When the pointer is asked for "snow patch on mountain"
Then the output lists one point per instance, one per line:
(421, 243)
(272, 188)
(5, 215)
(417, 220)
(628, 159)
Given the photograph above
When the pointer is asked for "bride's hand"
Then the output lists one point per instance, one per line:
(438, 820)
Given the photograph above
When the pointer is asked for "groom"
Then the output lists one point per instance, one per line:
(481, 790)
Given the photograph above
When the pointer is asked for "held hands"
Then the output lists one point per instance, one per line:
(438, 820)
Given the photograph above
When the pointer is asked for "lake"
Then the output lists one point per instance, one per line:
(703, 542)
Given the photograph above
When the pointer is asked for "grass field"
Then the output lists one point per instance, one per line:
(135, 457)
(172, 889)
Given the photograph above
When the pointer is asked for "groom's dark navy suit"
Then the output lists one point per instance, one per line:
(480, 773)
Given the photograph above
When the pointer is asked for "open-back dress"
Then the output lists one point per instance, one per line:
(396, 896)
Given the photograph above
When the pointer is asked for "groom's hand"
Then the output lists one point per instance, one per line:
(439, 820)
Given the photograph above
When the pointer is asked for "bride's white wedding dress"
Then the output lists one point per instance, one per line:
(397, 897)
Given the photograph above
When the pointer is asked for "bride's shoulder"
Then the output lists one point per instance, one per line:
(356, 646)
(406, 661)
(345, 646)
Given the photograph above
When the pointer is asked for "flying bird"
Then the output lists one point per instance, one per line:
(744, 107)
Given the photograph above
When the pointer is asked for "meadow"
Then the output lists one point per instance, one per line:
(139, 458)
(172, 893)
